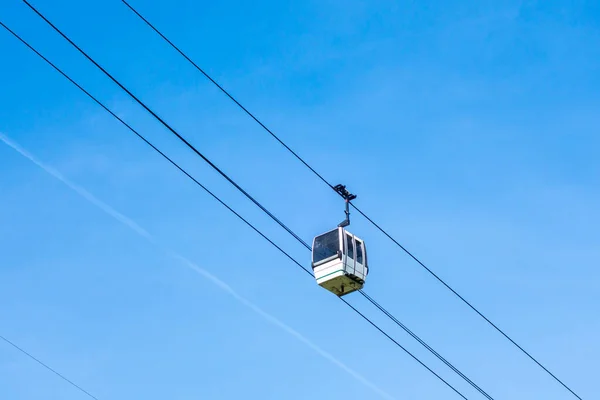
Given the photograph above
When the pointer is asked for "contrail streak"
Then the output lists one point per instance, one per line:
(224, 286)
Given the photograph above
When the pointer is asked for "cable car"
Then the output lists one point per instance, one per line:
(339, 261)
(339, 258)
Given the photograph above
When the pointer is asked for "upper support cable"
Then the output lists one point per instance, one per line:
(314, 171)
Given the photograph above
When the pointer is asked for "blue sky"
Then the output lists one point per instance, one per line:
(470, 131)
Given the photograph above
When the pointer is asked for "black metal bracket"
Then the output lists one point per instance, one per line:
(347, 196)
(341, 190)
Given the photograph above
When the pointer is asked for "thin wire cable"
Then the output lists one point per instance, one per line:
(214, 196)
(165, 124)
(227, 94)
(467, 303)
(424, 344)
(331, 186)
(147, 142)
(210, 163)
(398, 344)
(49, 368)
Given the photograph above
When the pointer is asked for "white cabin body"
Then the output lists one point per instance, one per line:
(339, 261)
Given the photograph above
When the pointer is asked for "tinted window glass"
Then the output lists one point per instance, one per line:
(350, 246)
(359, 252)
(326, 246)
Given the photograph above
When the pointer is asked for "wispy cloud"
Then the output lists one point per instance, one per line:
(186, 262)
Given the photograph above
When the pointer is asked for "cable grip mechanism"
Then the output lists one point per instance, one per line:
(347, 196)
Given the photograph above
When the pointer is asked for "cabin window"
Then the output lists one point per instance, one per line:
(326, 245)
(359, 252)
(350, 244)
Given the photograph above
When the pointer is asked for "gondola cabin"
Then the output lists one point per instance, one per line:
(339, 261)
